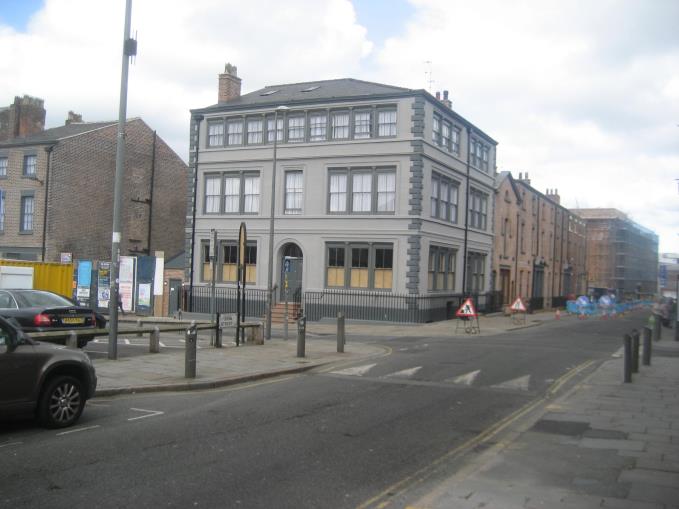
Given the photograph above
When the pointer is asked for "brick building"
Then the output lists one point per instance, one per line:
(622, 255)
(539, 250)
(56, 189)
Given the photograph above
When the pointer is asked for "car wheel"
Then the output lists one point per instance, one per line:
(82, 342)
(61, 402)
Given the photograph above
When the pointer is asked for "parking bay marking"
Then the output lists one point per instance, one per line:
(150, 413)
(77, 430)
(9, 444)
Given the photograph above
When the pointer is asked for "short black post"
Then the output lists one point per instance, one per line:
(657, 328)
(139, 326)
(340, 332)
(635, 351)
(218, 331)
(628, 358)
(190, 353)
(647, 347)
(301, 335)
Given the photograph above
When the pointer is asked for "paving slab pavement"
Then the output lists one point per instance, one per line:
(603, 444)
(216, 367)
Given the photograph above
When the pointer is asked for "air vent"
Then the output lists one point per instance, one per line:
(311, 89)
(269, 92)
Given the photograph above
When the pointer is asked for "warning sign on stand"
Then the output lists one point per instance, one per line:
(518, 306)
(466, 309)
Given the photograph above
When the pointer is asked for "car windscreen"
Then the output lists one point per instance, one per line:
(40, 300)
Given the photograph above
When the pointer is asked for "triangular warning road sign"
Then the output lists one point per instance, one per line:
(466, 309)
(518, 306)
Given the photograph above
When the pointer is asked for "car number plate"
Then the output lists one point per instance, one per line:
(73, 320)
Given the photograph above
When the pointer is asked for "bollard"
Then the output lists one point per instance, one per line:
(190, 354)
(72, 340)
(657, 326)
(139, 333)
(154, 340)
(628, 358)
(647, 346)
(635, 351)
(218, 331)
(301, 335)
(340, 332)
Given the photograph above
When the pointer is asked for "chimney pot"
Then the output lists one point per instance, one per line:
(445, 95)
(438, 96)
(520, 175)
(73, 117)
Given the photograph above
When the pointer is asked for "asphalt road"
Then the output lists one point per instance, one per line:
(332, 439)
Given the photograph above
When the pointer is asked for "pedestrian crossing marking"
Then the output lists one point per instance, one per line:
(466, 379)
(406, 373)
(520, 383)
(355, 371)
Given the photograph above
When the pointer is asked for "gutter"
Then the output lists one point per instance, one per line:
(198, 119)
(48, 149)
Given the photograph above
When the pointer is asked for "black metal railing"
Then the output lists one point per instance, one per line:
(536, 303)
(559, 302)
(389, 307)
(198, 301)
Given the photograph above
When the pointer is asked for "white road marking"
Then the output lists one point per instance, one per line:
(126, 341)
(619, 353)
(357, 371)
(77, 430)
(161, 344)
(466, 379)
(520, 383)
(151, 413)
(9, 444)
(406, 373)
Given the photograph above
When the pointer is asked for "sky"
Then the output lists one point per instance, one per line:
(582, 95)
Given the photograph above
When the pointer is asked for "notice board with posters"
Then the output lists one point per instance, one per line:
(146, 269)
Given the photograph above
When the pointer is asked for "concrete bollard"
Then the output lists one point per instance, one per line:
(139, 333)
(635, 351)
(190, 352)
(301, 336)
(647, 346)
(628, 359)
(340, 332)
(154, 340)
(72, 340)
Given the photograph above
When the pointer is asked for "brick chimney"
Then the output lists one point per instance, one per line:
(554, 195)
(524, 178)
(73, 118)
(229, 84)
(24, 117)
(445, 100)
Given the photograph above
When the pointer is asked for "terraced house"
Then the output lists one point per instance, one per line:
(383, 199)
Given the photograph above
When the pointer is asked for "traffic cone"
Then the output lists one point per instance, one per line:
(557, 315)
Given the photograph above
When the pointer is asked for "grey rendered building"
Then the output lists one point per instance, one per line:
(382, 193)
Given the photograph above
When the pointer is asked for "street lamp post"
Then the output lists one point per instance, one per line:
(269, 286)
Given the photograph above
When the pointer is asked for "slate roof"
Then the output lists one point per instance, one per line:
(310, 91)
(58, 133)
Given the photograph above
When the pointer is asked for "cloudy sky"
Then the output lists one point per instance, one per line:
(583, 95)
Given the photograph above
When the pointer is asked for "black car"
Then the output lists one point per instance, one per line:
(42, 311)
(42, 379)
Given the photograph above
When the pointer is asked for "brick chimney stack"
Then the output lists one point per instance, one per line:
(445, 100)
(229, 84)
(524, 178)
(73, 118)
(24, 117)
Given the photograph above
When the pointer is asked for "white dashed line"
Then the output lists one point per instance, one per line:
(406, 373)
(520, 383)
(466, 379)
(151, 413)
(9, 444)
(357, 371)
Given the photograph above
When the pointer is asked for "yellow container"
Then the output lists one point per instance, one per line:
(54, 277)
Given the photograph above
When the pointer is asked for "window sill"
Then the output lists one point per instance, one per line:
(26, 232)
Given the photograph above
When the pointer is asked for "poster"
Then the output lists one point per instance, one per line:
(126, 282)
(84, 282)
(144, 297)
(158, 277)
(103, 284)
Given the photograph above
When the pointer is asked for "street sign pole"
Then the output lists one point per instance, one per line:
(213, 289)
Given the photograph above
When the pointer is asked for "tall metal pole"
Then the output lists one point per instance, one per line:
(269, 285)
(129, 49)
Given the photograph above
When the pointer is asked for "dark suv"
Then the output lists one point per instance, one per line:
(48, 381)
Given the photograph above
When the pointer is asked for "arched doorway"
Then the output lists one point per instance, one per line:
(291, 270)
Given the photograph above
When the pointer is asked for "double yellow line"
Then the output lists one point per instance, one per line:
(384, 498)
